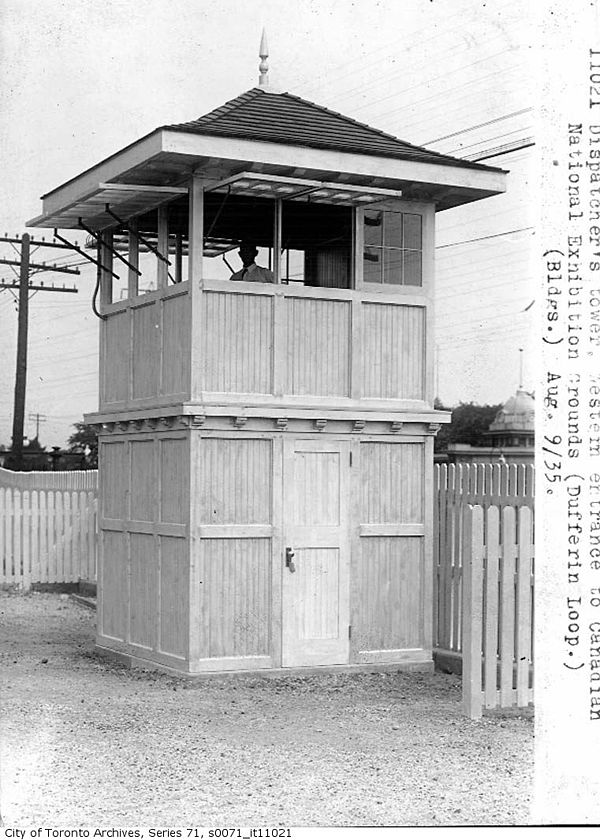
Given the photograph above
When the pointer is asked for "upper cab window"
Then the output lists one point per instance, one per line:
(316, 244)
(393, 248)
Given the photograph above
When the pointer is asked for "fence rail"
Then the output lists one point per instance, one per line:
(48, 527)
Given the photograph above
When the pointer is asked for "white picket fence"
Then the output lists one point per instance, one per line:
(48, 527)
(497, 613)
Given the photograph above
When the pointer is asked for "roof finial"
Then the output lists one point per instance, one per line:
(520, 368)
(263, 79)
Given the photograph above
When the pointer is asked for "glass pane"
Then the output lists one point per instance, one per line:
(373, 227)
(412, 268)
(372, 266)
(392, 230)
(393, 266)
(412, 231)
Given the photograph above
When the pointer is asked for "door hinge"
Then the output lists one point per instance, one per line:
(351, 459)
(349, 631)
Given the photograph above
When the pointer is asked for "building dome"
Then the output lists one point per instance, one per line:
(517, 414)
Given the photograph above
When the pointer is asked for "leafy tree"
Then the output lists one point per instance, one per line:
(469, 422)
(84, 440)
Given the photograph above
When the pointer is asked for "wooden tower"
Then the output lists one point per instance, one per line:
(266, 448)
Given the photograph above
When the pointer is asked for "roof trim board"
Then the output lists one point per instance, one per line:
(237, 151)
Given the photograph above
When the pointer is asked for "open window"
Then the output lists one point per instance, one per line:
(316, 244)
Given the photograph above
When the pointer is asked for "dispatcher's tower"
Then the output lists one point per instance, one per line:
(266, 448)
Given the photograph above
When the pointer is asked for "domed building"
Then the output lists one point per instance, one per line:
(509, 439)
(514, 425)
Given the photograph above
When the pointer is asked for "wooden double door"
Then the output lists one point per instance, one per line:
(316, 560)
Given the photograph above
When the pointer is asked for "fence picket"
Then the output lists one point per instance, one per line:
(491, 607)
(35, 543)
(507, 620)
(9, 561)
(472, 610)
(523, 608)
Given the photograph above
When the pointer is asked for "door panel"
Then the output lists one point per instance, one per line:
(315, 594)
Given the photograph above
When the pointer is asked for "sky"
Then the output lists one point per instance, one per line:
(82, 79)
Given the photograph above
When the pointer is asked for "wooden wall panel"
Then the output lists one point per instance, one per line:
(393, 351)
(174, 595)
(234, 481)
(114, 576)
(235, 577)
(174, 479)
(388, 612)
(391, 482)
(143, 481)
(318, 347)
(237, 345)
(317, 486)
(143, 608)
(175, 373)
(318, 596)
(146, 350)
(115, 368)
(113, 480)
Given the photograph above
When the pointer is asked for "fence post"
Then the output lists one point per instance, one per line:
(472, 610)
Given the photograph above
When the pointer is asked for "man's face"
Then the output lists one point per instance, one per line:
(247, 255)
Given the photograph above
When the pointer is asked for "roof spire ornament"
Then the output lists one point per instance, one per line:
(263, 51)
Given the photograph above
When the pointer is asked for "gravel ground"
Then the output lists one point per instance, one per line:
(88, 743)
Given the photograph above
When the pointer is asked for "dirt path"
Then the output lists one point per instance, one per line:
(86, 743)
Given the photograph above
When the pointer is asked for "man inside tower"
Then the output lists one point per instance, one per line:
(251, 273)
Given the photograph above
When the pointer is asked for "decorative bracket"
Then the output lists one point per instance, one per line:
(397, 425)
(358, 426)
(433, 428)
(152, 422)
(123, 425)
(139, 424)
(320, 425)
(168, 422)
(282, 423)
(108, 427)
(240, 422)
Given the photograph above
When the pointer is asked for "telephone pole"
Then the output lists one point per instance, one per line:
(21, 374)
(24, 286)
(39, 418)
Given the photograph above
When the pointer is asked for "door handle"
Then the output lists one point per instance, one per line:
(289, 562)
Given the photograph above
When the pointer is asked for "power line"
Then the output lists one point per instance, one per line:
(479, 125)
(481, 238)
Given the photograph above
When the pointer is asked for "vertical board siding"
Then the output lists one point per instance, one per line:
(237, 343)
(146, 350)
(235, 597)
(318, 347)
(174, 584)
(115, 588)
(174, 479)
(318, 578)
(175, 363)
(115, 368)
(317, 482)
(393, 351)
(392, 482)
(143, 485)
(143, 591)
(114, 480)
(389, 612)
(235, 478)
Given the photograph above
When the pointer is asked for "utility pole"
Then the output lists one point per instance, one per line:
(39, 418)
(24, 286)
(21, 374)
